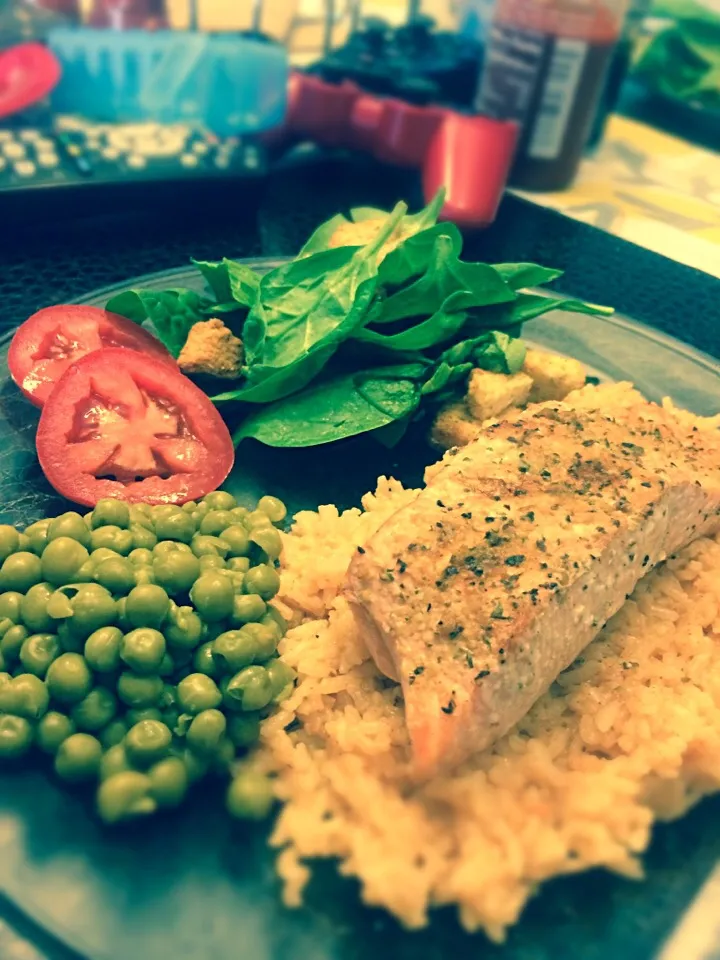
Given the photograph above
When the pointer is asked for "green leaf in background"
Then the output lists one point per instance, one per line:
(230, 281)
(334, 409)
(170, 312)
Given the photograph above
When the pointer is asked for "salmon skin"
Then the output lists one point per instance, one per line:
(478, 593)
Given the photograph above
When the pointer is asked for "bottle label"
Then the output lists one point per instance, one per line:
(558, 96)
(514, 59)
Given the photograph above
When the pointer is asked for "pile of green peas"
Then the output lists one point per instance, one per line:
(138, 648)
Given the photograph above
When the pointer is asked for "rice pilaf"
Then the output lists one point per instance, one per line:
(628, 734)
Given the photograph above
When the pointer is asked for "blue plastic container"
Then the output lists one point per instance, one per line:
(229, 83)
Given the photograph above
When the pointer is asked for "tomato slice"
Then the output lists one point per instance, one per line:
(51, 339)
(123, 424)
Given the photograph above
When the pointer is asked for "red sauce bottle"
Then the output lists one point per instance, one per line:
(129, 14)
(545, 68)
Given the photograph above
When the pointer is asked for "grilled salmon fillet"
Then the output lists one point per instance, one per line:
(478, 593)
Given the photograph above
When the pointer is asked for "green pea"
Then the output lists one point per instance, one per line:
(257, 520)
(5, 679)
(33, 609)
(38, 652)
(206, 731)
(117, 576)
(238, 564)
(125, 795)
(70, 642)
(190, 506)
(244, 729)
(69, 678)
(142, 537)
(113, 734)
(147, 742)
(143, 650)
(109, 512)
(121, 618)
(275, 509)
(37, 534)
(147, 606)
(223, 757)
(114, 538)
(263, 580)
(269, 541)
(11, 642)
(141, 513)
(78, 758)
(27, 696)
(182, 724)
(219, 500)
(86, 573)
(273, 617)
(169, 782)
(239, 514)
(9, 540)
(203, 545)
(204, 662)
(71, 526)
(138, 691)
(212, 594)
(210, 561)
(96, 710)
(52, 730)
(196, 766)
(93, 607)
(167, 666)
(250, 796)
(144, 577)
(175, 526)
(263, 638)
(24, 543)
(251, 687)
(196, 693)
(114, 760)
(102, 649)
(183, 629)
(20, 571)
(16, 736)
(237, 539)
(165, 547)
(3, 665)
(61, 560)
(10, 605)
(133, 716)
(234, 650)
(282, 679)
(140, 557)
(248, 608)
(176, 572)
(214, 522)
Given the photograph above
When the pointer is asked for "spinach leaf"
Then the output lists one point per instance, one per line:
(335, 408)
(234, 284)
(521, 275)
(494, 351)
(280, 383)
(438, 328)
(446, 274)
(312, 302)
(171, 313)
(320, 239)
(413, 256)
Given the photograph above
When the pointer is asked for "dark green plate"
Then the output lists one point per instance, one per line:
(193, 886)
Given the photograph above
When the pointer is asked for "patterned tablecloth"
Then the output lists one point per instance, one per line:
(651, 189)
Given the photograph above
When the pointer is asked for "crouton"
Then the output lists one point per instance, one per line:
(212, 349)
(454, 427)
(553, 377)
(488, 393)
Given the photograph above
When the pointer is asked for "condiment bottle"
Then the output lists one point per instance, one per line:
(127, 14)
(545, 67)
